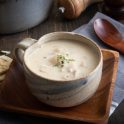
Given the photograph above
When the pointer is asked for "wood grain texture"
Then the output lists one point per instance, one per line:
(73, 8)
(15, 96)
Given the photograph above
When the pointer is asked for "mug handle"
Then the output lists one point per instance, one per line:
(21, 47)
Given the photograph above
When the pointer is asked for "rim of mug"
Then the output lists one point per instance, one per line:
(67, 33)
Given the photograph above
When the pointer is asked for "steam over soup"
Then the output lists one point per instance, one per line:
(63, 60)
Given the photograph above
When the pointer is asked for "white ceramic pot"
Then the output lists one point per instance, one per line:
(59, 93)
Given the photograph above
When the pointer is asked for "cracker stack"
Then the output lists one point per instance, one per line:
(5, 62)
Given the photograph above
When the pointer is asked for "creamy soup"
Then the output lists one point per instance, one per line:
(63, 60)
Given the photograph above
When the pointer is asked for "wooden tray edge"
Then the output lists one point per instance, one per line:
(113, 79)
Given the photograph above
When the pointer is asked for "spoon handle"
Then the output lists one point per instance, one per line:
(120, 46)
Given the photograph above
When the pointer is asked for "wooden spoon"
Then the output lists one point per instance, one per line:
(108, 33)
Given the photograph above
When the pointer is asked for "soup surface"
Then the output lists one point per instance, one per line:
(63, 60)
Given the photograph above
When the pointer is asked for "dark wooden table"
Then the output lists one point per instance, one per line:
(55, 22)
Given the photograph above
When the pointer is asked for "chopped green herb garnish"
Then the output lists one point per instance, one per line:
(62, 60)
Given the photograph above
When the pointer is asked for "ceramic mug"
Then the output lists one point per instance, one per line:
(59, 93)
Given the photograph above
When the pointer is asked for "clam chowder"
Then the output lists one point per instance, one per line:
(63, 60)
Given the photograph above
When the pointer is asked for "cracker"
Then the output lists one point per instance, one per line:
(5, 62)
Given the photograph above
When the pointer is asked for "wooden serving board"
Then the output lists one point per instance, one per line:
(15, 96)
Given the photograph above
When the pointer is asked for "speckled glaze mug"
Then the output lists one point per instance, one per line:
(64, 93)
